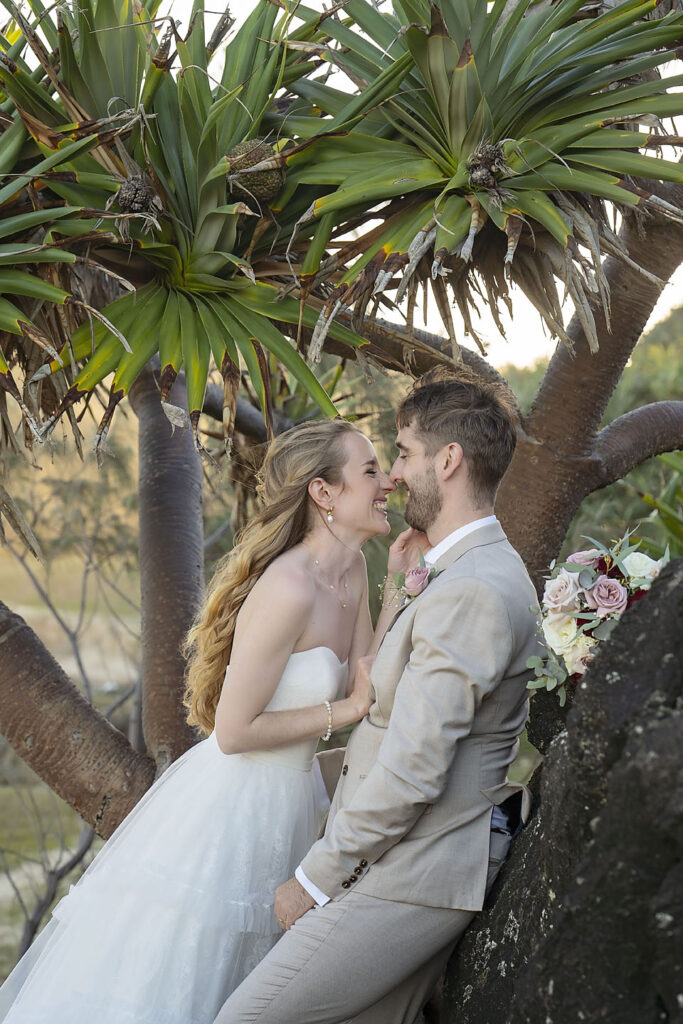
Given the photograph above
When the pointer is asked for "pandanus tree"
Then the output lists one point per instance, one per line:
(485, 141)
(478, 144)
(148, 171)
(505, 134)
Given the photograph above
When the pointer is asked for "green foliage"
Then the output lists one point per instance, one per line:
(489, 139)
(667, 515)
(493, 136)
(143, 158)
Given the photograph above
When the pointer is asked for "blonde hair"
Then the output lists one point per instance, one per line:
(294, 459)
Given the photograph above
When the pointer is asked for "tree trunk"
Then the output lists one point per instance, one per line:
(584, 923)
(563, 457)
(171, 564)
(87, 762)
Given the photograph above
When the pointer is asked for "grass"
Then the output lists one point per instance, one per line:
(22, 808)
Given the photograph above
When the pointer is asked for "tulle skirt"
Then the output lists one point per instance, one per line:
(177, 908)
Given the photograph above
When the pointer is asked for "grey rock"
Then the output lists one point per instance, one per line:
(585, 922)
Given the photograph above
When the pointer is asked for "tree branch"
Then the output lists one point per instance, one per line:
(554, 466)
(53, 876)
(636, 436)
(83, 758)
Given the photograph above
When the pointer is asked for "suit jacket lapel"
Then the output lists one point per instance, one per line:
(490, 534)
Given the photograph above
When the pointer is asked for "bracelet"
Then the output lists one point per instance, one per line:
(327, 735)
(391, 592)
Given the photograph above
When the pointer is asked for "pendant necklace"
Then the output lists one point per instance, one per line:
(332, 586)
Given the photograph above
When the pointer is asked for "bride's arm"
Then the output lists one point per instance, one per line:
(270, 622)
(404, 554)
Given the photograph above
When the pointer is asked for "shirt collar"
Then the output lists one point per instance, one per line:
(435, 553)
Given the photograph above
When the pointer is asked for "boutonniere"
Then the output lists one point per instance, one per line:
(413, 582)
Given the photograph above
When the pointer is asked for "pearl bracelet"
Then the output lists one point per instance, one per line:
(327, 735)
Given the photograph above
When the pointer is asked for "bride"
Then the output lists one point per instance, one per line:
(177, 908)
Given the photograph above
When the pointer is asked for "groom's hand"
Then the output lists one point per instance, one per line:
(291, 902)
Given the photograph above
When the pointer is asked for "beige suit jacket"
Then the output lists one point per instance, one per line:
(410, 818)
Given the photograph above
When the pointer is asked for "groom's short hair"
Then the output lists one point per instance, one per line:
(455, 404)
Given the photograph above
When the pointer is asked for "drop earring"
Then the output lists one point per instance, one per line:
(330, 517)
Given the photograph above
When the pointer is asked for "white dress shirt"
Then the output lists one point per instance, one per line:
(431, 558)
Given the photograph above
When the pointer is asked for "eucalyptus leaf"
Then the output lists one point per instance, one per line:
(639, 583)
(596, 544)
(605, 629)
(555, 667)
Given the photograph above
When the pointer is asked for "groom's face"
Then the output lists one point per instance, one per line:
(414, 469)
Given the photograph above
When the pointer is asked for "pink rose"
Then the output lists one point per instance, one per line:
(589, 558)
(562, 592)
(607, 597)
(416, 580)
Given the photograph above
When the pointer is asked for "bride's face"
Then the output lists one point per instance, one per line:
(360, 503)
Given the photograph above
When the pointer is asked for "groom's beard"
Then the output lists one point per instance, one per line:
(424, 501)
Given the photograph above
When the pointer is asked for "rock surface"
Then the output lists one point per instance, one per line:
(586, 921)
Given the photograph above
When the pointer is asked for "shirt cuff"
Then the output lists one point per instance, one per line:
(313, 891)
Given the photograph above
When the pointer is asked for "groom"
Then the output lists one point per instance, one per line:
(423, 814)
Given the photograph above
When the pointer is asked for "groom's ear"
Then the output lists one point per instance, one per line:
(449, 459)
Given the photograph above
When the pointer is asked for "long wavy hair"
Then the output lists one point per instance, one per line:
(293, 460)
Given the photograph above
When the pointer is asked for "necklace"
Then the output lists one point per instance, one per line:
(332, 586)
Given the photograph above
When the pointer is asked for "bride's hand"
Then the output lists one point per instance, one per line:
(404, 553)
(360, 695)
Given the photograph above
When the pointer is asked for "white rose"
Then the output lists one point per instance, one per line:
(559, 631)
(578, 655)
(562, 592)
(641, 567)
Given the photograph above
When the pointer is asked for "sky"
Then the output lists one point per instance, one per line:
(526, 339)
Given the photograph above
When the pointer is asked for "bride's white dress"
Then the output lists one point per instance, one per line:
(177, 908)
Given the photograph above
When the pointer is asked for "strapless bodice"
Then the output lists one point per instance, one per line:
(310, 677)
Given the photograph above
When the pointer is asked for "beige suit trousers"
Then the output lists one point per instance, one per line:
(359, 960)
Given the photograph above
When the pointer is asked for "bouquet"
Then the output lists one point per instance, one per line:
(583, 600)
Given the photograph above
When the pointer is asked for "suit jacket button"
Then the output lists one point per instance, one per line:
(353, 878)
(363, 863)
(357, 869)
(345, 769)
(345, 884)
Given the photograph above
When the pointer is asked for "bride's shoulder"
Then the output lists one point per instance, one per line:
(287, 577)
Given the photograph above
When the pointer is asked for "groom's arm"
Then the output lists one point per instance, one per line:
(462, 646)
